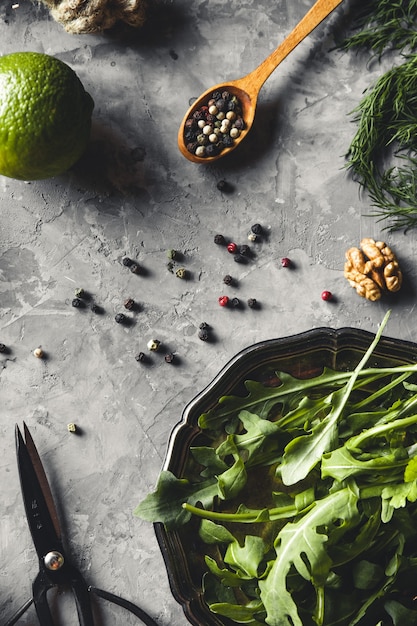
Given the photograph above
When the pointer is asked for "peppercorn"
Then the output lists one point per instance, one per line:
(232, 247)
(326, 295)
(153, 345)
(127, 262)
(134, 268)
(240, 258)
(120, 318)
(169, 358)
(286, 262)
(257, 229)
(224, 300)
(252, 237)
(38, 352)
(245, 250)
(181, 272)
(172, 254)
(3, 348)
(235, 302)
(72, 428)
(140, 357)
(95, 308)
(77, 303)
(228, 280)
(204, 326)
(219, 240)
(224, 186)
(129, 304)
(252, 303)
(79, 293)
(203, 334)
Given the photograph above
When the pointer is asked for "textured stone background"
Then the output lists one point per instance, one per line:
(134, 194)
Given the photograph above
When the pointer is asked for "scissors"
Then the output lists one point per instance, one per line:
(55, 569)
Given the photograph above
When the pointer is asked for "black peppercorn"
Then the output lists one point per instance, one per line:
(219, 240)
(120, 318)
(169, 358)
(203, 334)
(204, 326)
(240, 258)
(96, 308)
(228, 280)
(252, 303)
(245, 250)
(127, 262)
(134, 268)
(223, 185)
(76, 302)
(2, 348)
(140, 357)
(235, 302)
(257, 229)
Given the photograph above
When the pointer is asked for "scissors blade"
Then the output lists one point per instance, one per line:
(37, 497)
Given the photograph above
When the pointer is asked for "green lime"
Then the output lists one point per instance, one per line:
(45, 116)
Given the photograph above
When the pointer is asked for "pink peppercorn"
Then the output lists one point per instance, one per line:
(326, 295)
(224, 300)
(286, 262)
(232, 247)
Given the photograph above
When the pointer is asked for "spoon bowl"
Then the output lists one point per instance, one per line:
(247, 89)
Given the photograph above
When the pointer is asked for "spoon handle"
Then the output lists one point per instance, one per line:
(253, 81)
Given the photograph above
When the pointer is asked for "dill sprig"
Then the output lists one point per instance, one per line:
(381, 25)
(383, 153)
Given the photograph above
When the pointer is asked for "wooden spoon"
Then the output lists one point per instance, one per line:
(247, 89)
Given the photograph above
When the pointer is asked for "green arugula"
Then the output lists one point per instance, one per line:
(333, 539)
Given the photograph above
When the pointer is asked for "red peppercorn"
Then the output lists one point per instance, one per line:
(286, 262)
(326, 295)
(232, 247)
(223, 300)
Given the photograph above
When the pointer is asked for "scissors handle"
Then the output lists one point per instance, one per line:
(43, 583)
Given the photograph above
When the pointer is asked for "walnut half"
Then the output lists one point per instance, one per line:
(372, 269)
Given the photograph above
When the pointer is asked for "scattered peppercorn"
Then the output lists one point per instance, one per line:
(72, 428)
(232, 247)
(134, 268)
(224, 186)
(96, 308)
(77, 303)
(204, 326)
(240, 258)
(245, 250)
(257, 229)
(286, 262)
(203, 334)
(219, 240)
(181, 272)
(170, 266)
(235, 302)
(120, 318)
(169, 358)
(153, 345)
(127, 262)
(224, 300)
(326, 295)
(79, 293)
(3, 348)
(228, 280)
(140, 357)
(38, 352)
(172, 254)
(252, 237)
(129, 304)
(252, 303)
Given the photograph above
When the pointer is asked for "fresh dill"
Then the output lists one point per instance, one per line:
(383, 153)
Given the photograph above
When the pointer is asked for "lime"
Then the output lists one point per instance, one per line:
(45, 116)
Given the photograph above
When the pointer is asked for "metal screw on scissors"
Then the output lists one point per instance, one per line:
(55, 569)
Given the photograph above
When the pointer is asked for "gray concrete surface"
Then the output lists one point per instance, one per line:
(134, 194)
